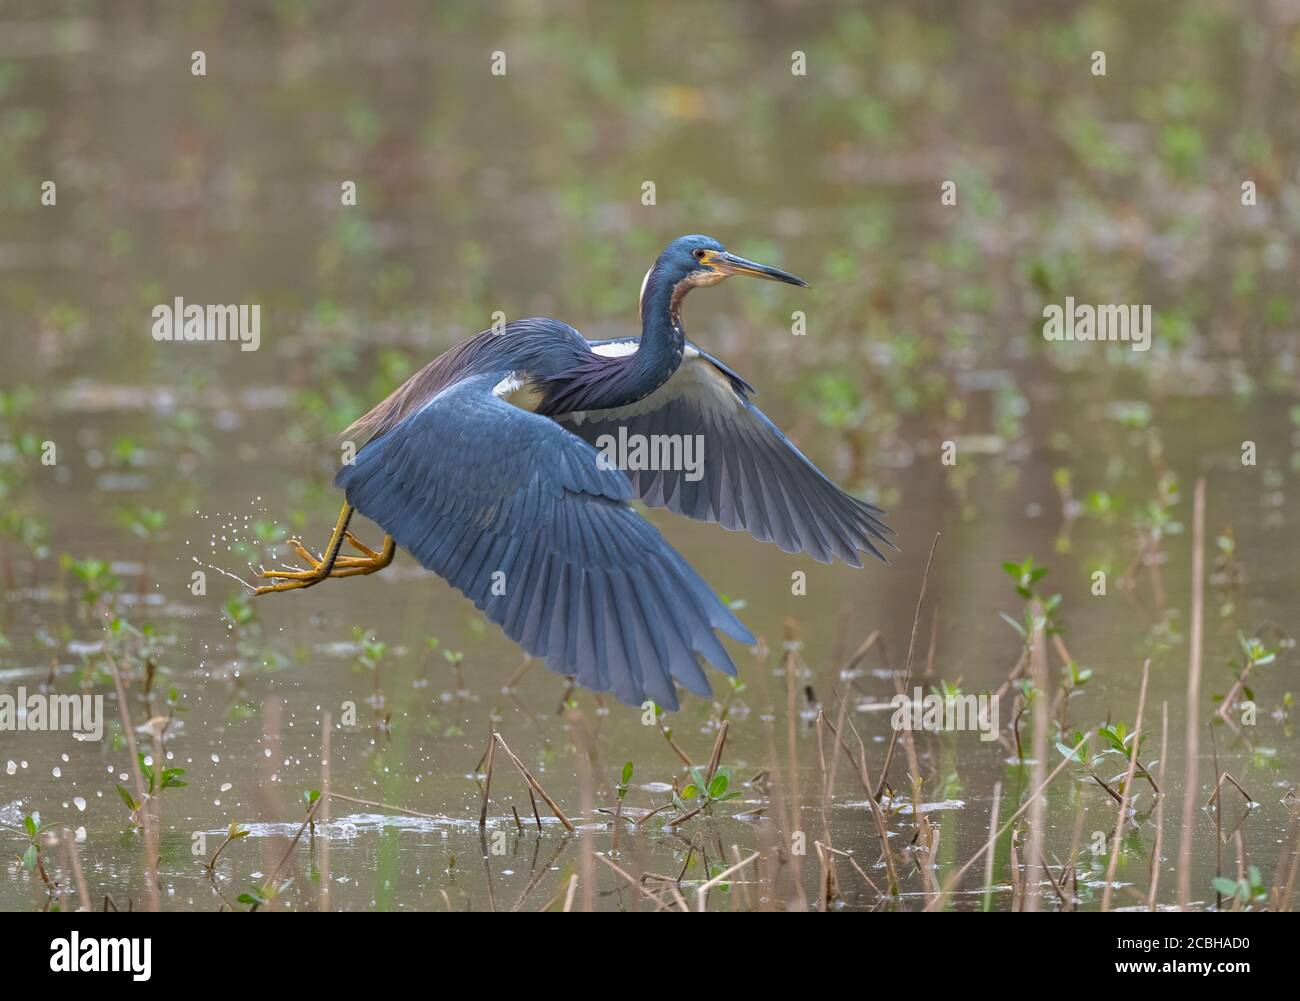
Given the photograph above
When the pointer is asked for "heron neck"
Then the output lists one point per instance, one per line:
(663, 338)
(601, 383)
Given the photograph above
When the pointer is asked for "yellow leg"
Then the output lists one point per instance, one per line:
(330, 563)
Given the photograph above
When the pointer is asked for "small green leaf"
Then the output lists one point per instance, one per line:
(627, 772)
(126, 798)
(171, 778)
(31, 857)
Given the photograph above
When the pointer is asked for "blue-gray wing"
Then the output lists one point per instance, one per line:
(514, 511)
(751, 476)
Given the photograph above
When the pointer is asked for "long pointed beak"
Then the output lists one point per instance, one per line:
(730, 264)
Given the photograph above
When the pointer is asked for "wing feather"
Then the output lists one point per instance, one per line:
(472, 486)
(754, 478)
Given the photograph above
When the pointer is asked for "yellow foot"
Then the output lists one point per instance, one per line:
(342, 566)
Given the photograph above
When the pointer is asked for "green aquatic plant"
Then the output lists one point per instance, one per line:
(1254, 653)
(1118, 739)
(26, 530)
(1074, 678)
(136, 649)
(707, 791)
(1039, 613)
(261, 896)
(33, 857)
(310, 796)
(155, 781)
(241, 618)
(1115, 739)
(1249, 889)
(98, 583)
(142, 522)
(126, 452)
(622, 785)
(235, 833)
(454, 658)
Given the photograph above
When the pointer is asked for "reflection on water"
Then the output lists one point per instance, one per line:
(523, 194)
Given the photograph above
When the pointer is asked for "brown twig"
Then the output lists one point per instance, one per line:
(907, 674)
(536, 786)
(487, 782)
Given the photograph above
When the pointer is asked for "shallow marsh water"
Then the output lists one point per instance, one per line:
(524, 194)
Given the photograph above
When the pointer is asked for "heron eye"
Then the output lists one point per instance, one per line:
(699, 255)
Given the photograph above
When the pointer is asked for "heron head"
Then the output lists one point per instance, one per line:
(702, 261)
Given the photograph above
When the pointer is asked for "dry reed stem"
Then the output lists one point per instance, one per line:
(387, 806)
(141, 792)
(863, 649)
(844, 744)
(74, 863)
(535, 785)
(794, 802)
(878, 814)
(742, 889)
(991, 850)
(1060, 892)
(582, 742)
(1079, 813)
(852, 861)
(956, 877)
(702, 893)
(685, 758)
(716, 757)
(1192, 750)
(326, 735)
(1122, 813)
(635, 885)
(1160, 809)
(512, 682)
(269, 882)
(487, 780)
(1034, 852)
(907, 675)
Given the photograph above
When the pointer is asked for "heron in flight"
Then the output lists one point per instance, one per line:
(486, 466)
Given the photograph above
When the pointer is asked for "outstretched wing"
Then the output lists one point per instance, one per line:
(513, 510)
(752, 476)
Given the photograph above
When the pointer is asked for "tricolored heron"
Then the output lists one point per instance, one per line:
(484, 467)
